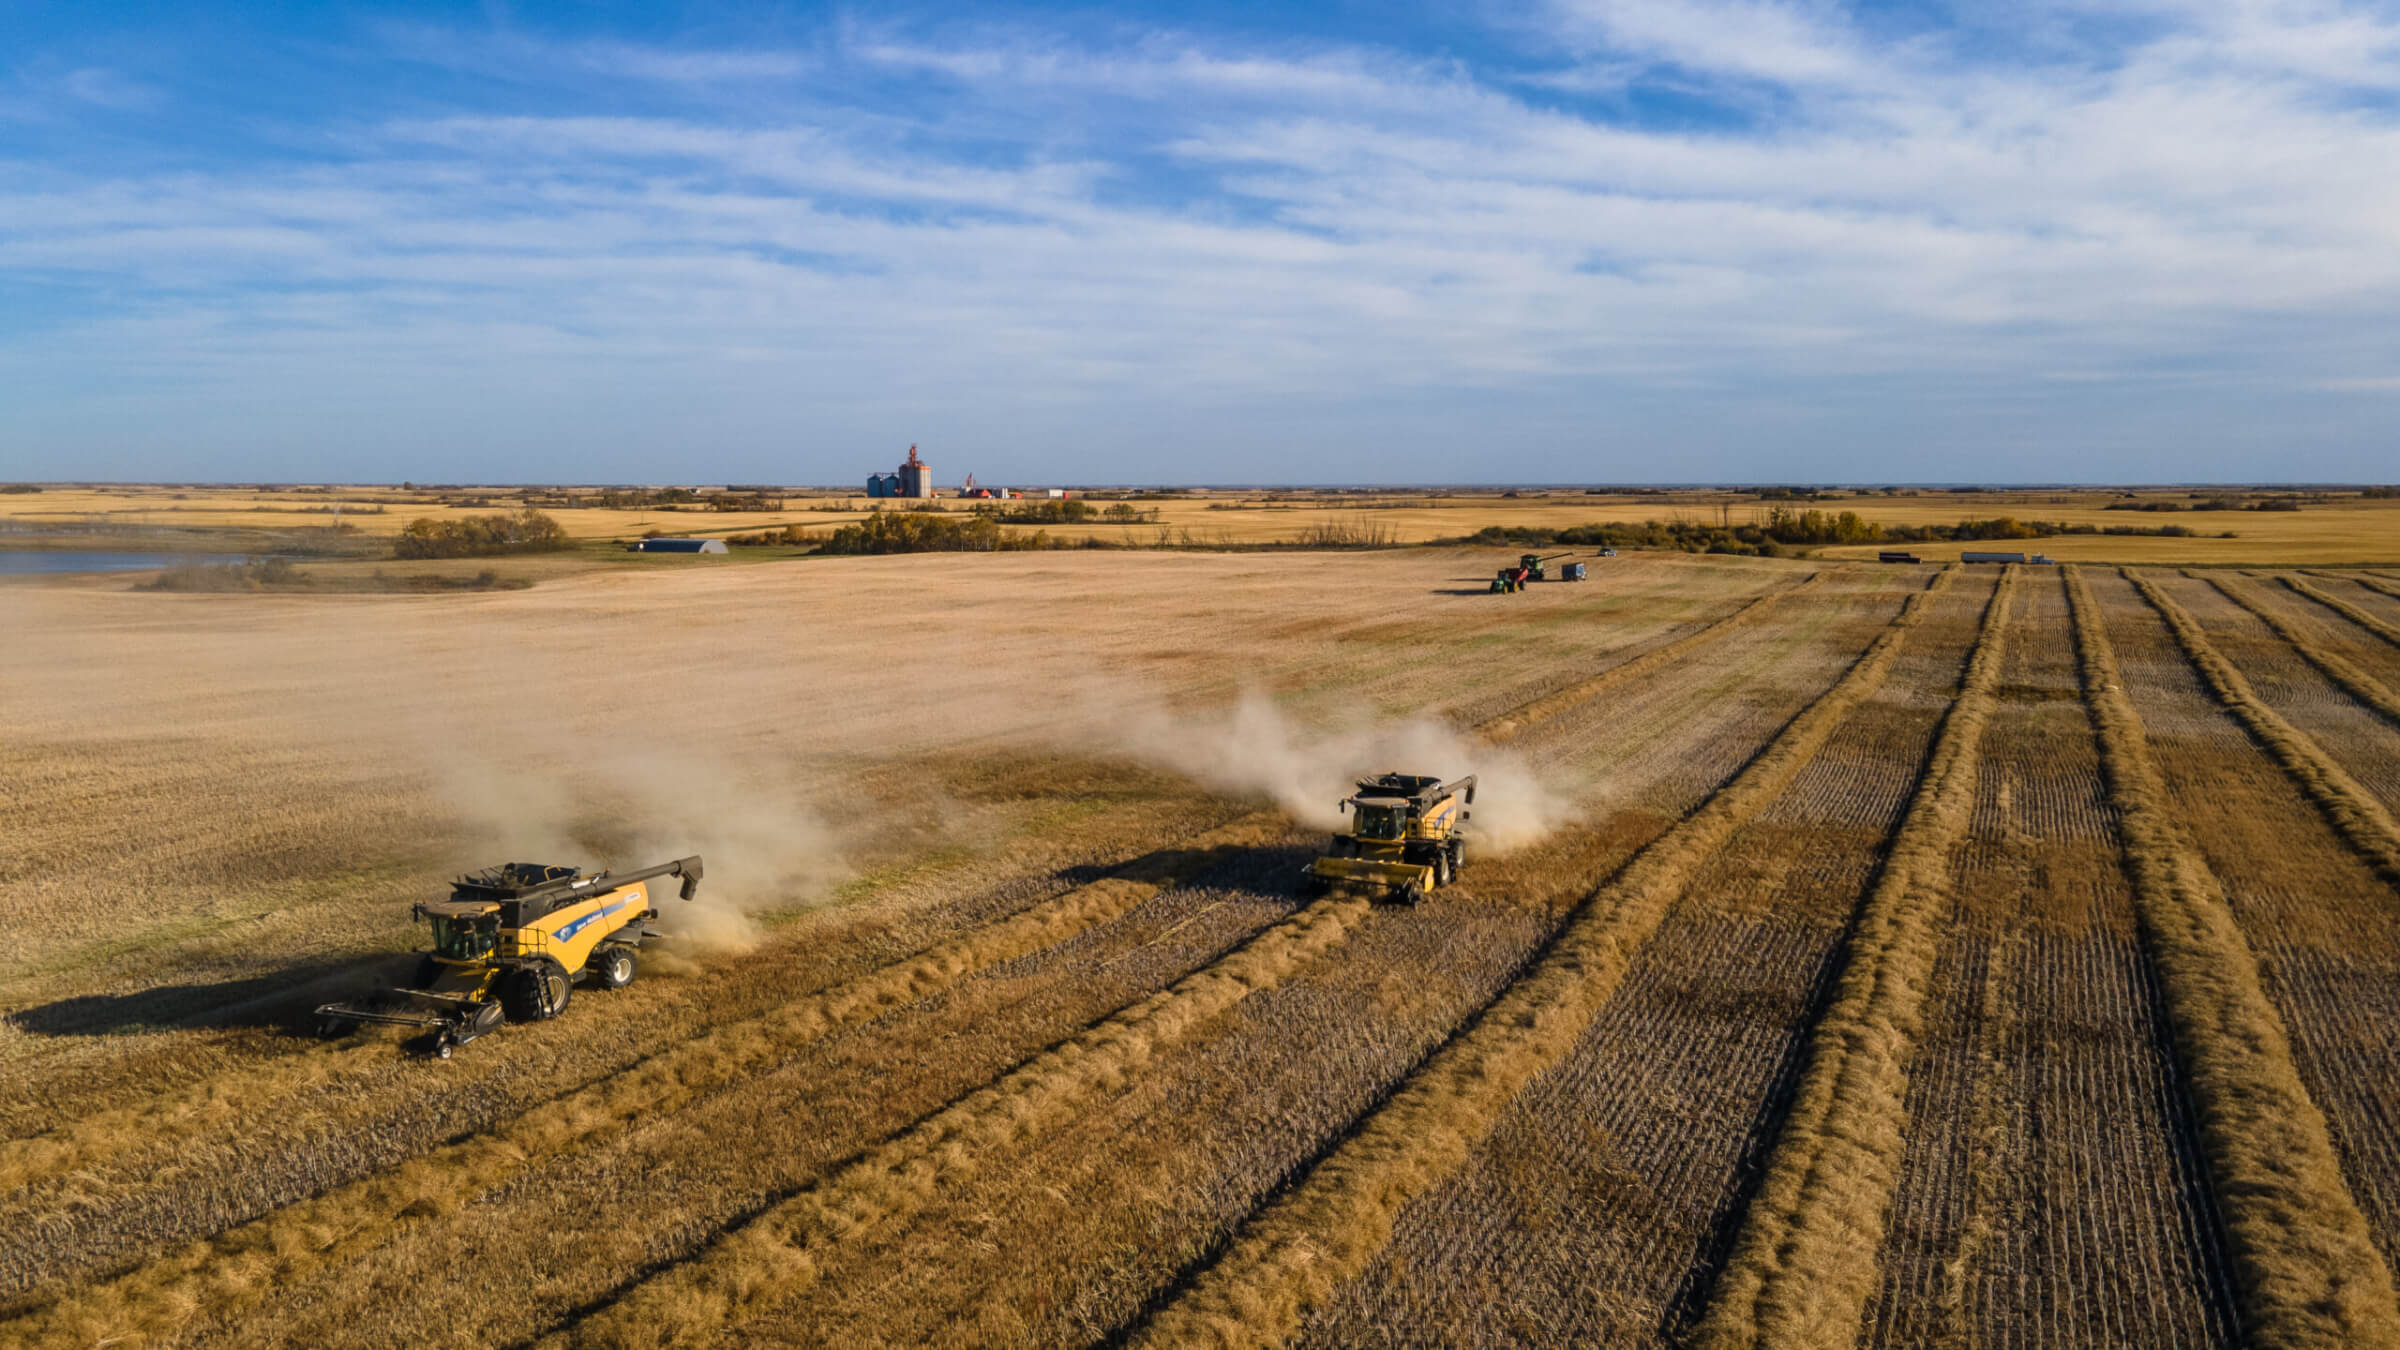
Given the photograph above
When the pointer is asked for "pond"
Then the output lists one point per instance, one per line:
(22, 563)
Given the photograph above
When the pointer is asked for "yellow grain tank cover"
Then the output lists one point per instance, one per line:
(1437, 822)
(568, 934)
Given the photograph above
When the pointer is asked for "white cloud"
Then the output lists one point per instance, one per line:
(1163, 222)
(104, 88)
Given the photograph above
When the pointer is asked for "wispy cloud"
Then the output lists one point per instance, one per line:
(104, 88)
(1891, 236)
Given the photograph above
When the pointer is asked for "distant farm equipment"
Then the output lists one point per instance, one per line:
(1530, 568)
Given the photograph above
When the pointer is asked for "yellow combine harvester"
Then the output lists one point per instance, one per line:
(513, 940)
(1404, 838)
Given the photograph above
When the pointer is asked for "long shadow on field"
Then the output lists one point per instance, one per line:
(1467, 586)
(276, 1000)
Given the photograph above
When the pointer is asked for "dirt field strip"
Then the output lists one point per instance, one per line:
(2359, 684)
(776, 1254)
(2353, 811)
(2373, 581)
(2307, 1271)
(1505, 728)
(1327, 1228)
(2389, 632)
(1804, 1265)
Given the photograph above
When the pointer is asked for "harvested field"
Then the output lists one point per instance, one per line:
(1847, 955)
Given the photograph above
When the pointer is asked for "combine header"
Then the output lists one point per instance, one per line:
(1404, 838)
(512, 941)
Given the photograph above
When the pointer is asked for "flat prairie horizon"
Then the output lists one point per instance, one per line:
(2327, 526)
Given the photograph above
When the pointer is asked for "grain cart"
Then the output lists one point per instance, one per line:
(512, 941)
(1404, 838)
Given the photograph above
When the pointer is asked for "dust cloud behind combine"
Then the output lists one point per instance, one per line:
(1254, 747)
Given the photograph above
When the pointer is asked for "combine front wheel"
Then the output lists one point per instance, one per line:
(536, 992)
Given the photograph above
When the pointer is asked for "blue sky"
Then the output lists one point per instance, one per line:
(2155, 240)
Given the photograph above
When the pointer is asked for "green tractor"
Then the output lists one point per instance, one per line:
(1529, 568)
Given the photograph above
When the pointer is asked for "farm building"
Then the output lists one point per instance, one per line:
(676, 546)
(914, 478)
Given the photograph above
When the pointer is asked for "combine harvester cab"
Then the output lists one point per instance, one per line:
(511, 942)
(1405, 838)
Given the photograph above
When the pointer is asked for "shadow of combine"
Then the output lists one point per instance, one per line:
(1481, 585)
(280, 1000)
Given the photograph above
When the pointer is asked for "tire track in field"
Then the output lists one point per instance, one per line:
(234, 1269)
(1330, 1224)
(2306, 1272)
(2358, 683)
(1804, 1262)
(2353, 811)
(1504, 728)
(2381, 628)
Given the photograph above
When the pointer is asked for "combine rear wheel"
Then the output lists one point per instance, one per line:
(536, 992)
(612, 966)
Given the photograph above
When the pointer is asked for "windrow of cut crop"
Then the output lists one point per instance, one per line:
(2306, 1271)
(1328, 1226)
(2377, 582)
(779, 1252)
(2388, 631)
(1804, 1262)
(2356, 682)
(235, 1268)
(1508, 725)
(2353, 811)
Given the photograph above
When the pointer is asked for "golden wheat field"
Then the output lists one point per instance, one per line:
(1847, 955)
